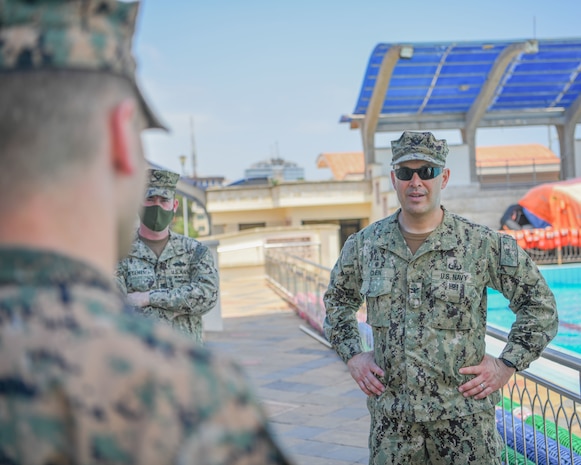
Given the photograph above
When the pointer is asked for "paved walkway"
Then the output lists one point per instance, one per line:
(314, 404)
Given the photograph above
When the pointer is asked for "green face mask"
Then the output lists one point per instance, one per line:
(155, 217)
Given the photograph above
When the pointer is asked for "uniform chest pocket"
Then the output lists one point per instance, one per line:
(377, 289)
(451, 302)
(178, 277)
(140, 280)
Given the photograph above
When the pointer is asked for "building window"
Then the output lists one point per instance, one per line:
(243, 226)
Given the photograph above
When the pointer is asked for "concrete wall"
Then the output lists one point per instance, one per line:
(296, 216)
(483, 206)
(278, 217)
(318, 243)
(458, 160)
(287, 204)
(228, 222)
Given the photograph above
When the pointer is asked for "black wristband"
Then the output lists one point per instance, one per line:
(508, 363)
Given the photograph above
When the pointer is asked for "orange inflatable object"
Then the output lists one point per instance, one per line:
(574, 238)
(557, 203)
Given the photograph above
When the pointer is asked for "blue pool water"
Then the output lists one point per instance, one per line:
(565, 282)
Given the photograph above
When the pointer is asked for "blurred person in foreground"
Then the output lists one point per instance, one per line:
(167, 275)
(423, 272)
(80, 380)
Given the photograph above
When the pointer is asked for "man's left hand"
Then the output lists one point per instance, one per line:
(489, 376)
(138, 299)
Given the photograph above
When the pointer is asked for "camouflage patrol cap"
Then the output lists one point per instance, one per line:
(87, 35)
(419, 146)
(162, 183)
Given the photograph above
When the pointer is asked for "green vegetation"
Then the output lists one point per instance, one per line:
(177, 225)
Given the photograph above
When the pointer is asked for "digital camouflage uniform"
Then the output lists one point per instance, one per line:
(428, 317)
(183, 282)
(82, 382)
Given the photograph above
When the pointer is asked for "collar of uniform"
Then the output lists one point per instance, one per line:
(177, 242)
(41, 267)
(442, 237)
(140, 250)
(384, 230)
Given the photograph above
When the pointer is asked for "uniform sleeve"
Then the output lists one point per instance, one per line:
(120, 277)
(517, 277)
(233, 428)
(198, 296)
(342, 301)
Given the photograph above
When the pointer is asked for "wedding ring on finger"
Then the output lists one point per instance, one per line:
(483, 386)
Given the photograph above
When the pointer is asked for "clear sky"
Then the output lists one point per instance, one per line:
(265, 78)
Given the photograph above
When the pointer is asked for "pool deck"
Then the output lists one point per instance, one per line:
(315, 407)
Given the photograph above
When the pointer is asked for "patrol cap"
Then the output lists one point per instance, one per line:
(86, 35)
(419, 146)
(162, 183)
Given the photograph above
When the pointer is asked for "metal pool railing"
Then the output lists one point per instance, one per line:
(538, 419)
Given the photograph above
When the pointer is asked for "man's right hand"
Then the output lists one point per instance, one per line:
(138, 299)
(364, 371)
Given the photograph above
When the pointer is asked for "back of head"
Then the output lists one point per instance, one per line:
(64, 64)
(47, 133)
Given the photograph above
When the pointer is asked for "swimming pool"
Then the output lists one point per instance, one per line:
(565, 282)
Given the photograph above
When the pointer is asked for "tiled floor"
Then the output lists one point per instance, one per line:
(314, 405)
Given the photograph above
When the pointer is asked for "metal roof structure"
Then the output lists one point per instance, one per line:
(470, 85)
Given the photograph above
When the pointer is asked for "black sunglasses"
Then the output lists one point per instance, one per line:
(425, 173)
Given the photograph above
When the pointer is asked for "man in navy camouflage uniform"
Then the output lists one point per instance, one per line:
(423, 273)
(82, 381)
(167, 275)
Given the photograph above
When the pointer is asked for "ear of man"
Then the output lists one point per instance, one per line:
(124, 137)
(445, 177)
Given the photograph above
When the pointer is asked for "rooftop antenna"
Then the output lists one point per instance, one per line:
(194, 155)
